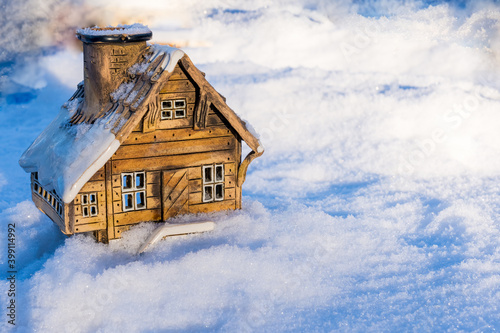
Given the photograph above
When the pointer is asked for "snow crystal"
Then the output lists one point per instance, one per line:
(123, 90)
(131, 96)
(138, 68)
(132, 29)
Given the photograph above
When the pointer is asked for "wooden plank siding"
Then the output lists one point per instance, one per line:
(172, 135)
(177, 74)
(178, 82)
(110, 234)
(90, 227)
(178, 86)
(137, 216)
(92, 186)
(99, 175)
(214, 118)
(121, 229)
(173, 162)
(96, 185)
(212, 206)
(175, 148)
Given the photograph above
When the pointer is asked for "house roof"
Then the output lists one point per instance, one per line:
(79, 142)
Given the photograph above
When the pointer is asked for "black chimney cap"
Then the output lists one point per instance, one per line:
(119, 34)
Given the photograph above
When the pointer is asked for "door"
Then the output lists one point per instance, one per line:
(175, 193)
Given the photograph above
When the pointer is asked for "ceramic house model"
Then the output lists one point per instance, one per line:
(145, 137)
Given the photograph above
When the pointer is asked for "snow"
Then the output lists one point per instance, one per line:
(123, 90)
(374, 208)
(66, 157)
(127, 29)
(173, 56)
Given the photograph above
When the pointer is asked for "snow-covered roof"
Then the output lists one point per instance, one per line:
(69, 151)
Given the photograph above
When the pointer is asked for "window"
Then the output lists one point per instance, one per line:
(89, 204)
(213, 183)
(173, 109)
(127, 181)
(134, 190)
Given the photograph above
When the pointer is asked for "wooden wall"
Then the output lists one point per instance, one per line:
(78, 223)
(175, 145)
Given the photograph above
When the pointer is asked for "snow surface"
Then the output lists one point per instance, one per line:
(375, 207)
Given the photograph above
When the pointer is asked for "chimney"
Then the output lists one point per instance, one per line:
(107, 54)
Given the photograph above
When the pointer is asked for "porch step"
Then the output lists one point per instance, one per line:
(171, 229)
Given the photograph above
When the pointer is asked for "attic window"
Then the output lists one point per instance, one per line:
(133, 188)
(166, 109)
(173, 109)
(166, 114)
(213, 183)
(89, 204)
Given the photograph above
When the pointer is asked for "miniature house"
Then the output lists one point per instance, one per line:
(145, 137)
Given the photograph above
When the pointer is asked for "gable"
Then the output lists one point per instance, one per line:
(178, 88)
(209, 96)
(204, 105)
